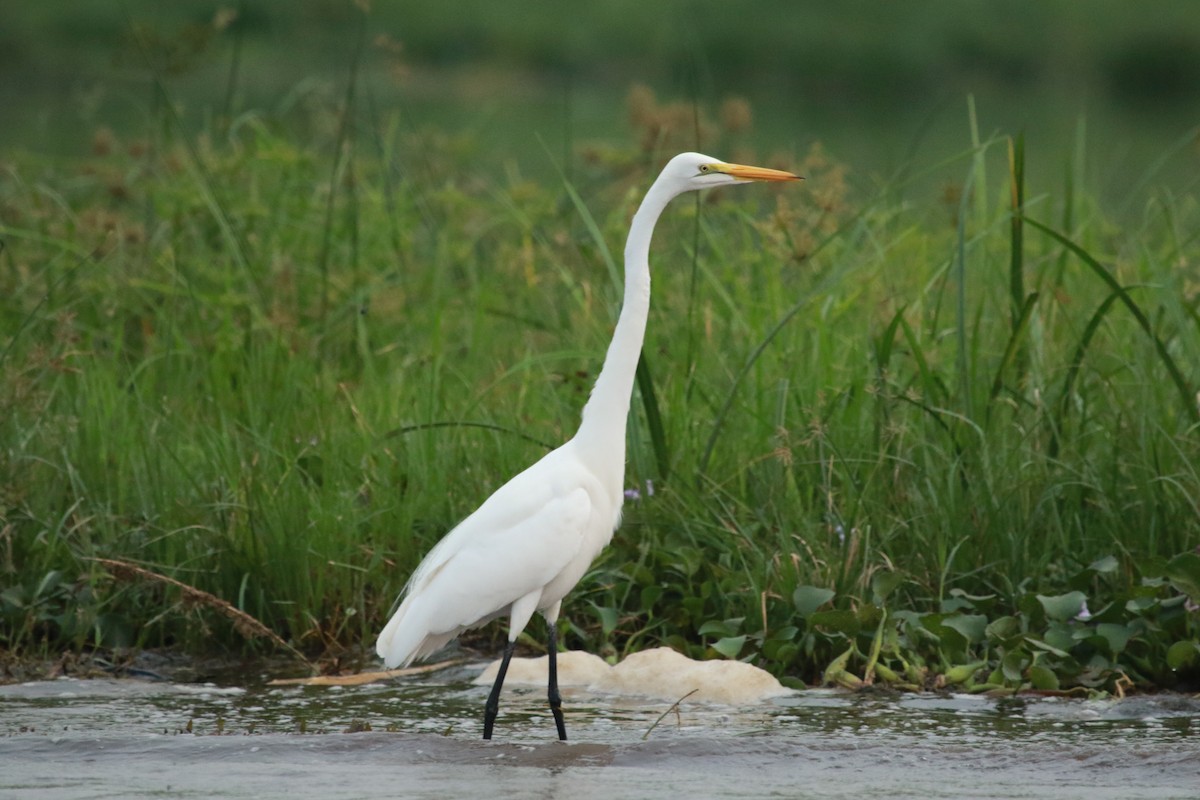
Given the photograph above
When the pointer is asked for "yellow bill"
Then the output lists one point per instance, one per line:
(745, 173)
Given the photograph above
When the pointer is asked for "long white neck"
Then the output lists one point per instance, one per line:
(601, 434)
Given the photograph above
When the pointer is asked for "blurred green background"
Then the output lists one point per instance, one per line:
(882, 84)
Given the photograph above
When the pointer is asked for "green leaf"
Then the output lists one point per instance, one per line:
(1047, 647)
(836, 620)
(1043, 678)
(972, 626)
(785, 634)
(1184, 654)
(1183, 571)
(884, 583)
(1063, 636)
(608, 618)
(650, 596)
(1013, 666)
(730, 646)
(1063, 607)
(1104, 565)
(1002, 629)
(1140, 605)
(780, 652)
(716, 627)
(869, 615)
(809, 598)
(1116, 635)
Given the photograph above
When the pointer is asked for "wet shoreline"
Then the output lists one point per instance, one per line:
(128, 738)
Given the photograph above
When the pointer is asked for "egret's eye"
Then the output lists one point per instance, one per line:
(704, 167)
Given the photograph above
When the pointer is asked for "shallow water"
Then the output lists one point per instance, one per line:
(419, 738)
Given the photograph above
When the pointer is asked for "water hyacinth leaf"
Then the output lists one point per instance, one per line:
(693, 607)
(1117, 636)
(869, 615)
(1112, 612)
(1141, 604)
(781, 654)
(1012, 666)
(643, 576)
(785, 634)
(608, 618)
(952, 644)
(730, 646)
(1183, 655)
(1063, 607)
(808, 599)
(1062, 636)
(1043, 678)
(1104, 565)
(950, 605)
(718, 627)
(884, 583)
(973, 627)
(650, 596)
(1003, 629)
(1183, 572)
(836, 620)
(1047, 647)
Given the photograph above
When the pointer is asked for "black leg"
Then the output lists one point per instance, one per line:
(555, 698)
(493, 702)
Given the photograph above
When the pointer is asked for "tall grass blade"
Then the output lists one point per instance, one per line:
(1186, 393)
(658, 435)
(960, 305)
(932, 389)
(1016, 264)
(1016, 343)
(979, 166)
(1064, 398)
(719, 421)
(1016, 274)
(593, 230)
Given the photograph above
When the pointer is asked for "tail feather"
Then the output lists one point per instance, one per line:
(406, 637)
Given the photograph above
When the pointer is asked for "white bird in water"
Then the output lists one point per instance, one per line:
(533, 539)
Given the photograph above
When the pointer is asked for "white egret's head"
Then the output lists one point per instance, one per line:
(690, 171)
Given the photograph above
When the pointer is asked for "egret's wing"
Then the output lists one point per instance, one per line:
(498, 562)
(514, 544)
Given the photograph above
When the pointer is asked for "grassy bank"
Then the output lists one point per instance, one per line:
(884, 442)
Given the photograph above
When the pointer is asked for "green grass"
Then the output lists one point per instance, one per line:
(899, 435)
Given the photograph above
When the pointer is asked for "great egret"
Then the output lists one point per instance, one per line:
(532, 540)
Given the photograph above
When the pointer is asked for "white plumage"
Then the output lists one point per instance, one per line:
(520, 552)
(529, 543)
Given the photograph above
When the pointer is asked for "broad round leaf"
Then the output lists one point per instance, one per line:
(1063, 607)
(809, 598)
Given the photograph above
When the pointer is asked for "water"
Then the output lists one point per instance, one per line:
(419, 738)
